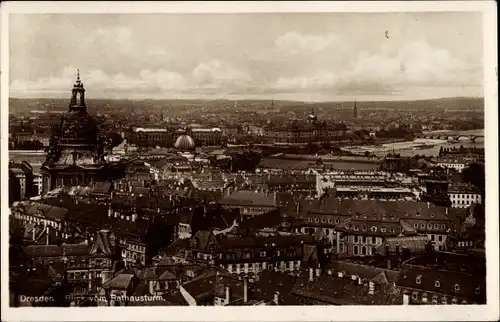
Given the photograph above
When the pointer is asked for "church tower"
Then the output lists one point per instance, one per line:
(355, 110)
(77, 102)
(76, 152)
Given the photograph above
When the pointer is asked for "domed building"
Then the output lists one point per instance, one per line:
(76, 152)
(184, 143)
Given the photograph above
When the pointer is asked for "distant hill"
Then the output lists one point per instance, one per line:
(23, 105)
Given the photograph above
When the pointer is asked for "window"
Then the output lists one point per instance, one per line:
(355, 239)
(323, 220)
(327, 231)
(443, 226)
(310, 219)
(347, 226)
(419, 279)
(392, 230)
(457, 287)
(422, 226)
(444, 300)
(454, 301)
(330, 220)
(432, 215)
(429, 226)
(414, 295)
(415, 226)
(356, 227)
(363, 250)
(478, 290)
(356, 250)
(349, 210)
(440, 238)
(437, 284)
(337, 221)
(434, 299)
(432, 237)
(316, 219)
(374, 228)
(383, 229)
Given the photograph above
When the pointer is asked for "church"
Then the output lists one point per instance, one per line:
(75, 155)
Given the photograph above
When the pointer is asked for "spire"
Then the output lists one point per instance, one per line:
(355, 110)
(78, 95)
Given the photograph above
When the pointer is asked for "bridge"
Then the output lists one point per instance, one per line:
(450, 136)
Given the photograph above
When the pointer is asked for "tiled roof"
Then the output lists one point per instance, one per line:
(249, 198)
(267, 220)
(445, 282)
(48, 211)
(270, 282)
(342, 291)
(119, 282)
(56, 250)
(363, 271)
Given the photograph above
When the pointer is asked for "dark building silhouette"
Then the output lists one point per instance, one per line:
(75, 155)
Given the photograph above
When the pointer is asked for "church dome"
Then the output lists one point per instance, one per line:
(78, 127)
(184, 143)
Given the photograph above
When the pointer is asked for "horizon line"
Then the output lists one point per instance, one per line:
(255, 99)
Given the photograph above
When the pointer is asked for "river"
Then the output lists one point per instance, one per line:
(428, 147)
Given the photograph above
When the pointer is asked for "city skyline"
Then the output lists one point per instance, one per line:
(294, 56)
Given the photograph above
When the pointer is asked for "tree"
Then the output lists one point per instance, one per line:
(475, 175)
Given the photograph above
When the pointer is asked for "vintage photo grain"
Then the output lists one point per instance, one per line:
(239, 159)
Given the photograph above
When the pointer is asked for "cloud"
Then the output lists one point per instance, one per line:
(388, 70)
(297, 43)
(219, 74)
(205, 78)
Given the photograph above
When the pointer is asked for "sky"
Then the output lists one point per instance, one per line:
(293, 56)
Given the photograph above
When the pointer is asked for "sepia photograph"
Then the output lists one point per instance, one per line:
(270, 157)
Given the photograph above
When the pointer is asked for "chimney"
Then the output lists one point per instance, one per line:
(245, 290)
(371, 288)
(311, 274)
(228, 294)
(276, 298)
(406, 299)
(388, 264)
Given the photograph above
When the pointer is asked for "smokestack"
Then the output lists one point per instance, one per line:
(311, 274)
(228, 294)
(406, 299)
(371, 288)
(276, 298)
(245, 290)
